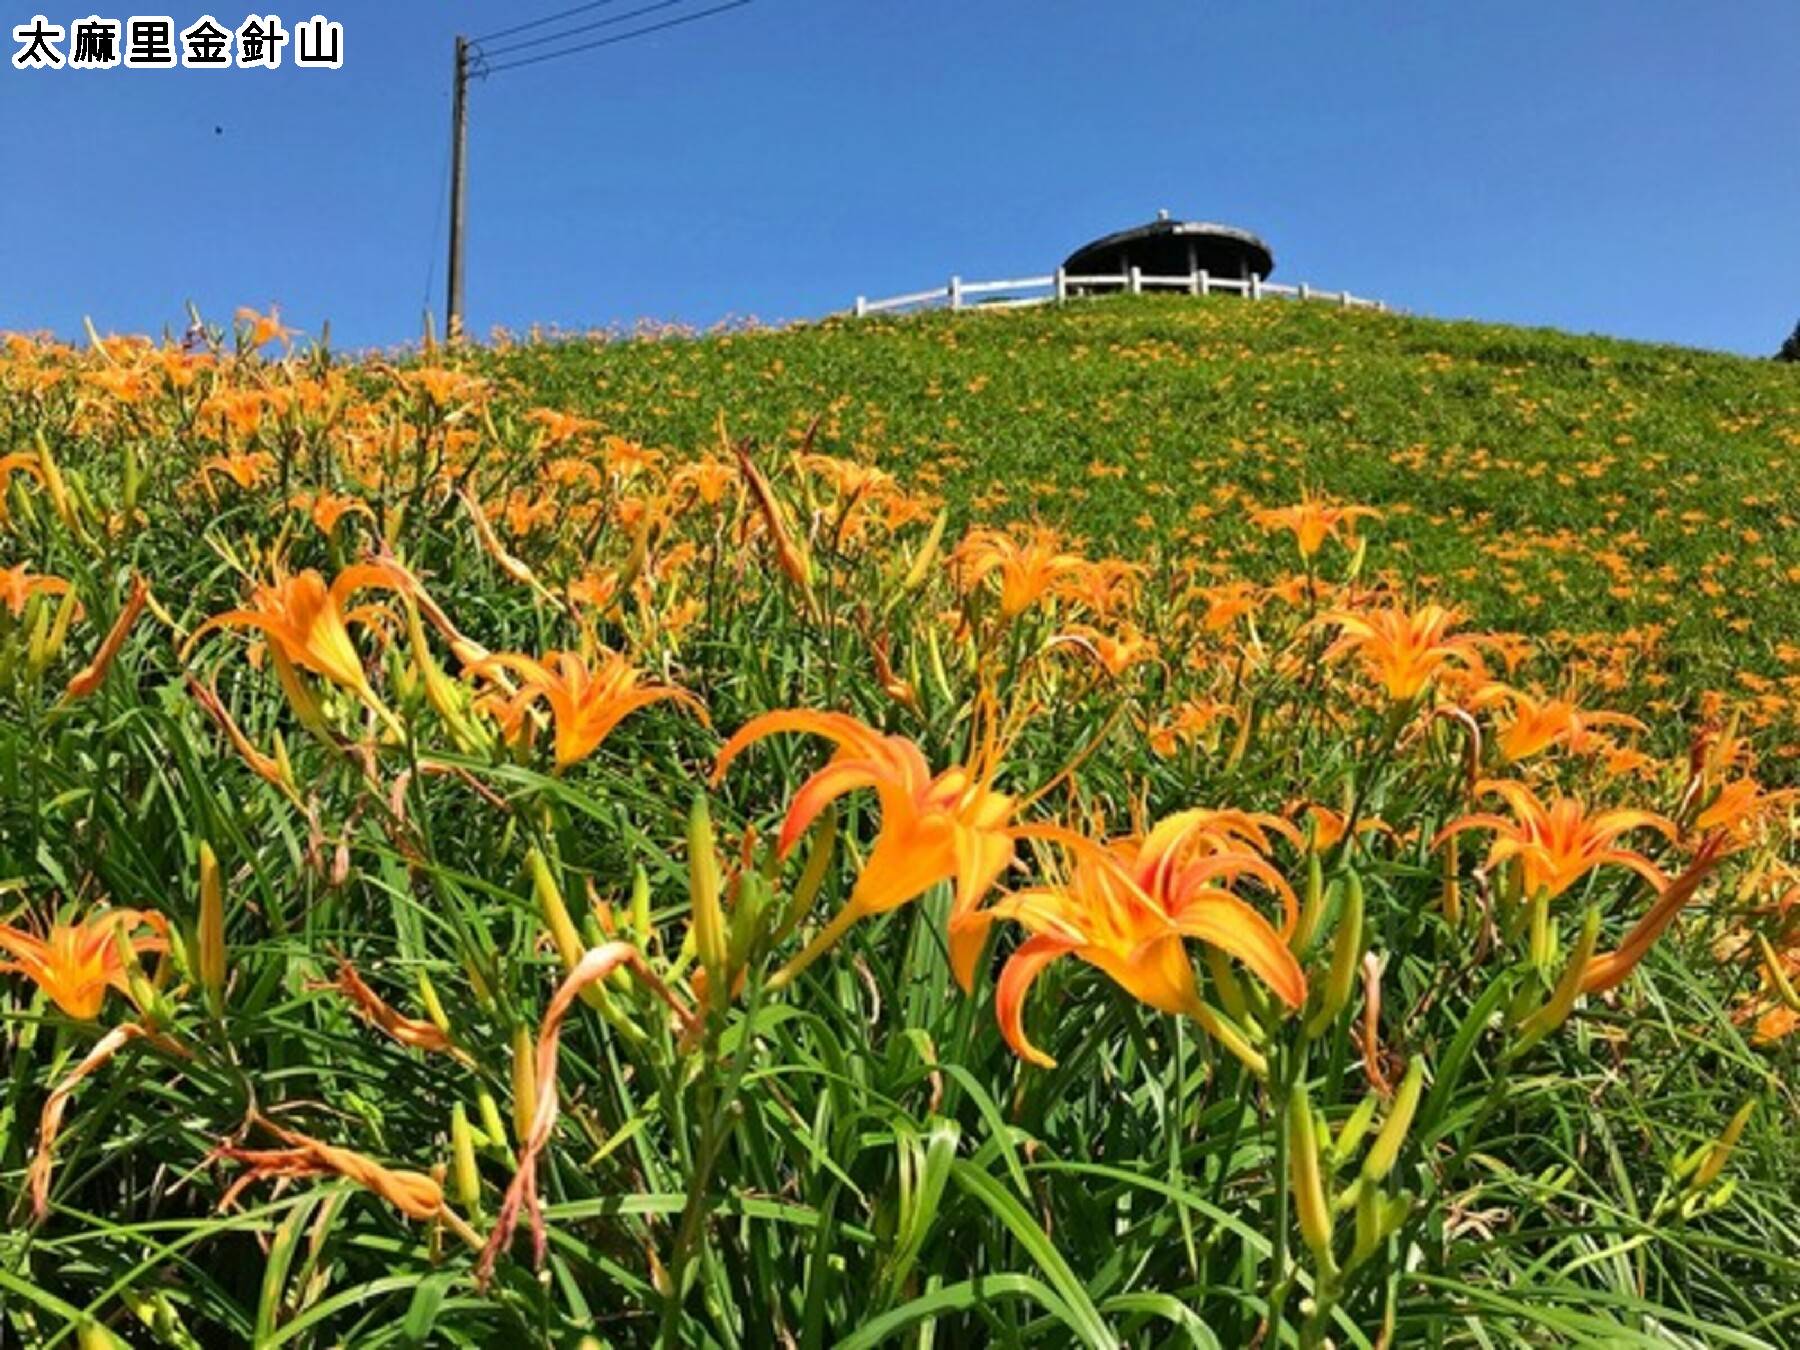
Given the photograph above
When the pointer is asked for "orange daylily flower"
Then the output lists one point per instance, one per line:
(1314, 520)
(18, 584)
(1328, 826)
(1127, 908)
(246, 468)
(1742, 810)
(264, 328)
(1027, 570)
(1559, 843)
(943, 827)
(20, 461)
(1402, 650)
(585, 704)
(76, 963)
(1114, 653)
(306, 622)
(1537, 724)
(326, 509)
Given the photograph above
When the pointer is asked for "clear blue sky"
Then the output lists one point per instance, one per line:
(1619, 166)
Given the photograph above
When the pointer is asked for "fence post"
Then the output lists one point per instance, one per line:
(1256, 286)
(1062, 285)
(1137, 280)
(1305, 291)
(1194, 281)
(1205, 282)
(862, 306)
(956, 293)
(1344, 299)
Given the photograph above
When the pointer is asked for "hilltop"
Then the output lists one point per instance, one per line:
(1555, 484)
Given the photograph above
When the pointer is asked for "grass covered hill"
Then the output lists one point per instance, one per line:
(1159, 823)
(1555, 484)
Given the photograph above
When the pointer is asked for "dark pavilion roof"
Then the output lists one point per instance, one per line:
(1223, 249)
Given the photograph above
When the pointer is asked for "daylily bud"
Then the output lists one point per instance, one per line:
(753, 896)
(1386, 1149)
(1313, 906)
(491, 1123)
(556, 913)
(1346, 953)
(1225, 983)
(1307, 1179)
(1779, 984)
(707, 920)
(209, 955)
(466, 1177)
(640, 903)
(1351, 1136)
(524, 1080)
(434, 1008)
(1561, 1002)
(1719, 1153)
(928, 551)
(569, 946)
(812, 876)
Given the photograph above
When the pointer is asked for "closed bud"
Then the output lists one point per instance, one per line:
(640, 903)
(491, 1123)
(1307, 1179)
(1720, 1151)
(434, 1008)
(705, 892)
(1562, 998)
(464, 1175)
(554, 911)
(1346, 954)
(209, 957)
(524, 1081)
(1355, 1130)
(1386, 1149)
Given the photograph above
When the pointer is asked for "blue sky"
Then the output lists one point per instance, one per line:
(1617, 166)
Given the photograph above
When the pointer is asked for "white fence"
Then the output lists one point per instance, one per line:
(1061, 286)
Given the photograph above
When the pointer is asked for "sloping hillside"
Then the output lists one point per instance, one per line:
(1553, 482)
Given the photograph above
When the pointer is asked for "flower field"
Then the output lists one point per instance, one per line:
(1162, 823)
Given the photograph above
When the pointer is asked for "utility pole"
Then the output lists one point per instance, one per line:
(459, 164)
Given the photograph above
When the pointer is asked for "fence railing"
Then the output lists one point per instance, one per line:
(1017, 292)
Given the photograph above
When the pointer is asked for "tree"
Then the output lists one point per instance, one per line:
(1790, 350)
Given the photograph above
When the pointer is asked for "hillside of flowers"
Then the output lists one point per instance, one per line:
(1165, 824)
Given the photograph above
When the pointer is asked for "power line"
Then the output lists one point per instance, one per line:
(539, 23)
(617, 38)
(627, 16)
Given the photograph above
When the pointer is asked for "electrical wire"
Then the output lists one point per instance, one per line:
(645, 31)
(616, 38)
(548, 18)
(626, 17)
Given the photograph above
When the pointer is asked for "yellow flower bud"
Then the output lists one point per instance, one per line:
(1307, 1179)
(1386, 1149)
(466, 1177)
(1720, 1152)
(707, 920)
(1346, 954)
(524, 1081)
(1561, 1002)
